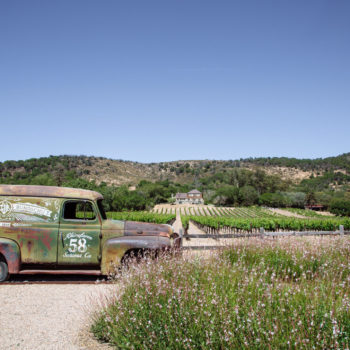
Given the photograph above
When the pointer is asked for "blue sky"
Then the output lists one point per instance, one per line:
(174, 79)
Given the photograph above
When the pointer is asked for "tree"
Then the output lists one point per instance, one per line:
(340, 207)
(249, 195)
(310, 198)
(227, 195)
(295, 199)
(274, 200)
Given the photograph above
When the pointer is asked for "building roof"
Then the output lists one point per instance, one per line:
(195, 192)
(181, 195)
(48, 191)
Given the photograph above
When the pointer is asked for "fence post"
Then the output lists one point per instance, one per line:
(262, 232)
(181, 236)
(341, 230)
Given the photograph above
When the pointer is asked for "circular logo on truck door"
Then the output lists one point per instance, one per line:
(5, 208)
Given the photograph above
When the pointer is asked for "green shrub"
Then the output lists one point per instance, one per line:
(340, 207)
(275, 200)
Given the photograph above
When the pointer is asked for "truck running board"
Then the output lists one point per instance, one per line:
(60, 272)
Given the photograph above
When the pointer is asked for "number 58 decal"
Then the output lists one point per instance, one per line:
(76, 244)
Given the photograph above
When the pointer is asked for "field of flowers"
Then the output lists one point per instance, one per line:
(291, 293)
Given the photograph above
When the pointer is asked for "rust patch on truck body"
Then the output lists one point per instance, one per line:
(33, 223)
(11, 252)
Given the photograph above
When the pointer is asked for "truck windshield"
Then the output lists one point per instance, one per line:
(101, 209)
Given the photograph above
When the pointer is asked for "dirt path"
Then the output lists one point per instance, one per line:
(194, 230)
(325, 213)
(54, 316)
(177, 223)
(287, 213)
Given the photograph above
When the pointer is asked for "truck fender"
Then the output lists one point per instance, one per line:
(11, 252)
(114, 249)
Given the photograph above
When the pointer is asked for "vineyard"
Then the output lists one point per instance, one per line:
(239, 212)
(247, 220)
(217, 225)
(142, 216)
(308, 213)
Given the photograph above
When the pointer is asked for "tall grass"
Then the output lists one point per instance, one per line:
(282, 294)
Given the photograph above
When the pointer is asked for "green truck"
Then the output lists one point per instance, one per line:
(57, 230)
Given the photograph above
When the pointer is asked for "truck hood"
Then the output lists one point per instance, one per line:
(134, 228)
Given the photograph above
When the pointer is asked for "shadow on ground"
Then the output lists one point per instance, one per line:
(56, 279)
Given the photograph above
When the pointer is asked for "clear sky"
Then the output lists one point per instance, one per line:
(161, 80)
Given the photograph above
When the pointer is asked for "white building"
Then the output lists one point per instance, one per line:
(192, 197)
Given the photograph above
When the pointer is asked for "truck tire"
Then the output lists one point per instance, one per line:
(137, 255)
(4, 271)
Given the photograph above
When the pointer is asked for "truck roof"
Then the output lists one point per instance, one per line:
(48, 191)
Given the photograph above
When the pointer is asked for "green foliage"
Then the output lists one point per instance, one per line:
(240, 187)
(227, 195)
(239, 178)
(123, 199)
(280, 262)
(185, 220)
(308, 213)
(249, 195)
(330, 163)
(310, 198)
(324, 198)
(295, 199)
(321, 183)
(146, 195)
(271, 223)
(42, 171)
(257, 295)
(223, 183)
(274, 200)
(142, 216)
(160, 191)
(340, 207)
(240, 212)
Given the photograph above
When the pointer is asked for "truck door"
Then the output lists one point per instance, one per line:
(79, 234)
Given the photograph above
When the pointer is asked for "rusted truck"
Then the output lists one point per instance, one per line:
(57, 230)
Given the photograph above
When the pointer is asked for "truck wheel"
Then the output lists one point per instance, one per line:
(137, 255)
(4, 271)
(132, 256)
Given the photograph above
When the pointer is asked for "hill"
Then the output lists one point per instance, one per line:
(338, 163)
(126, 185)
(55, 169)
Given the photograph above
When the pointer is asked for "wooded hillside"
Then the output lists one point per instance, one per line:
(55, 169)
(275, 182)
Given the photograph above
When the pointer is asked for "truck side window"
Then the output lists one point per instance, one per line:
(78, 210)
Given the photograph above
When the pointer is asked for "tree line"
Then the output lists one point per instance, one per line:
(227, 186)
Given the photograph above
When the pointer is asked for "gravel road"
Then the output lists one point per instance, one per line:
(49, 316)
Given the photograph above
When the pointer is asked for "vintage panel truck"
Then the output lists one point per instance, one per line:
(59, 230)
